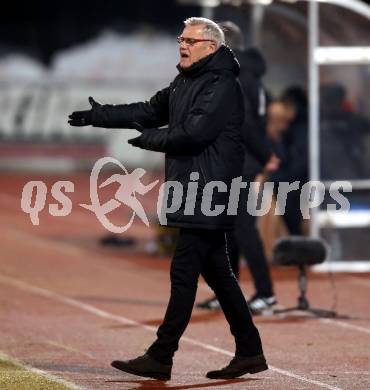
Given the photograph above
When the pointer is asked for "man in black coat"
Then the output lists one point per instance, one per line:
(203, 108)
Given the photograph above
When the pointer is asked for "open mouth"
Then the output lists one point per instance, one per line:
(184, 55)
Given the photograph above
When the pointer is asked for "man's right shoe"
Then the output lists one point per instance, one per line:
(144, 366)
(239, 366)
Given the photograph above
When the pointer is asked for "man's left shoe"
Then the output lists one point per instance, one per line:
(239, 366)
(145, 366)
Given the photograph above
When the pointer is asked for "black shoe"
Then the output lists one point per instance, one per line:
(239, 366)
(209, 304)
(144, 366)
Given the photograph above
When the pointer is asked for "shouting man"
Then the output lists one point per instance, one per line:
(203, 109)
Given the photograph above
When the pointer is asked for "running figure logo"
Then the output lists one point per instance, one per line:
(129, 185)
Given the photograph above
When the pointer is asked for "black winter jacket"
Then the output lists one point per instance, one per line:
(203, 108)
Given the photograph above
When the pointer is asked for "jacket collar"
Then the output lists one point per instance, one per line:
(222, 59)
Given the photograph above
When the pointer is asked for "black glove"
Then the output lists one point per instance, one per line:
(83, 118)
(137, 141)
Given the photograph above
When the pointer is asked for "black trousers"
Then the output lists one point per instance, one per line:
(204, 252)
(293, 216)
(248, 241)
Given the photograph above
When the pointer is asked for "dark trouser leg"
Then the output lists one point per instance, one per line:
(250, 243)
(190, 251)
(293, 215)
(234, 253)
(218, 274)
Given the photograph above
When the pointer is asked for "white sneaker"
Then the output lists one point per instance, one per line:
(259, 305)
(210, 304)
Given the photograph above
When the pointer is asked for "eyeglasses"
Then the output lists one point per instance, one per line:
(192, 41)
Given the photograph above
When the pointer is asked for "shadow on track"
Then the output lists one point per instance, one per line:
(154, 384)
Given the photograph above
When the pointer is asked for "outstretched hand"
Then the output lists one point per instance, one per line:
(83, 118)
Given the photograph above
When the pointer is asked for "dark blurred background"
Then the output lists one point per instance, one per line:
(40, 28)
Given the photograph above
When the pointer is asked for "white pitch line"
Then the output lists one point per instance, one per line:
(358, 282)
(345, 325)
(127, 321)
(39, 372)
(340, 324)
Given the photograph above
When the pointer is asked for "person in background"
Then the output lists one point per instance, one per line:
(278, 119)
(294, 153)
(258, 154)
(340, 126)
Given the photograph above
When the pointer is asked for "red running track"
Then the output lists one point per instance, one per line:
(69, 306)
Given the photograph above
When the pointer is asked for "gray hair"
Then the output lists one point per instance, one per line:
(211, 29)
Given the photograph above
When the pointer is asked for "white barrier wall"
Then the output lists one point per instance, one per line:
(35, 101)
